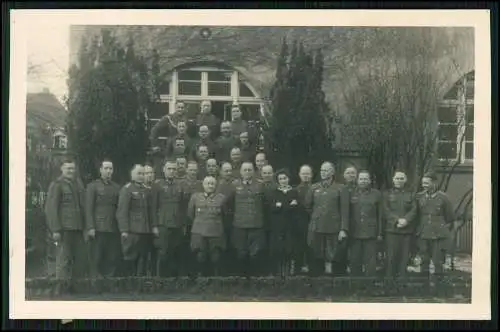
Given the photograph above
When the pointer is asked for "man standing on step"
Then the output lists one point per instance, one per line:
(400, 214)
(328, 204)
(102, 228)
(207, 234)
(169, 220)
(248, 236)
(133, 215)
(366, 226)
(435, 214)
(64, 210)
(302, 253)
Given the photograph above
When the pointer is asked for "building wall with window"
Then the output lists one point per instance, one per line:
(45, 144)
(237, 65)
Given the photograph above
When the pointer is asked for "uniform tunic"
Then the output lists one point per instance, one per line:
(248, 152)
(133, 216)
(64, 212)
(238, 127)
(165, 124)
(435, 214)
(301, 252)
(248, 220)
(169, 203)
(328, 204)
(207, 212)
(398, 203)
(100, 210)
(366, 226)
(224, 145)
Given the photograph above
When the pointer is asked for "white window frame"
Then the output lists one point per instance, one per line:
(461, 103)
(174, 96)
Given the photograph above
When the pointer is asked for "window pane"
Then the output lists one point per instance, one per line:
(447, 150)
(157, 110)
(447, 114)
(220, 76)
(470, 113)
(219, 89)
(189, 75)
(245, 91)
(469, 133)
(469, 150)
(190, 88)
(448, 132)
(164, 88)
(469, 93)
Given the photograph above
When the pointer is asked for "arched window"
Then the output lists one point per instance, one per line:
(218, 83)
(456, 121)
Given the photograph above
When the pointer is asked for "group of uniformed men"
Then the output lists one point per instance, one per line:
(219, 211)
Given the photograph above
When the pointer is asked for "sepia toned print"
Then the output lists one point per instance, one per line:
(226, 163)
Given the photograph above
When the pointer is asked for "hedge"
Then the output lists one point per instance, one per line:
(260, 287)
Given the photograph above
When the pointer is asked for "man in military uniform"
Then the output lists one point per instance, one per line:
(400, 213)
(133, 215)
(260, 162)
(247, 149)
(267, 178)
(238, 125)
(350, 184)
(169, 220)
(167, 123)
(202, 156)
(181, 136)
(152, 261)
(328, 204)
(208, 242)
(212, 168)
(181, 167)
(204, 139)
(435, 214)
(191, 185)
(366, 226)
(225, 187)
(235, 156)
(179, 149)
(102, 229)
(206, 118)
(248, 238)
(64, 210)
(301, 250)
(225, 142)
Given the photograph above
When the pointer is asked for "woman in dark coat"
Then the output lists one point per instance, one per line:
(282, 205)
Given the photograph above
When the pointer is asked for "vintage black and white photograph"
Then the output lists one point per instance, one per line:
(252, 163)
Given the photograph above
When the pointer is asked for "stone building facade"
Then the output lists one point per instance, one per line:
(237, 65)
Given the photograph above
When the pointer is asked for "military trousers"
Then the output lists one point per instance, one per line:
(363, 256)
(135, 253)
(105, 254)
(208, 252)
(398, 253)
(172, 251)
(71, 256)
(433, 250)
(249, 245)
(301, 251)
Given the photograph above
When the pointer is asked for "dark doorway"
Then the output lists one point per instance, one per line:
(222, 110)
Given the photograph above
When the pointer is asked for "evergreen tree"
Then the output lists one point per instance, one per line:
(297, 129)
(107, 104)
